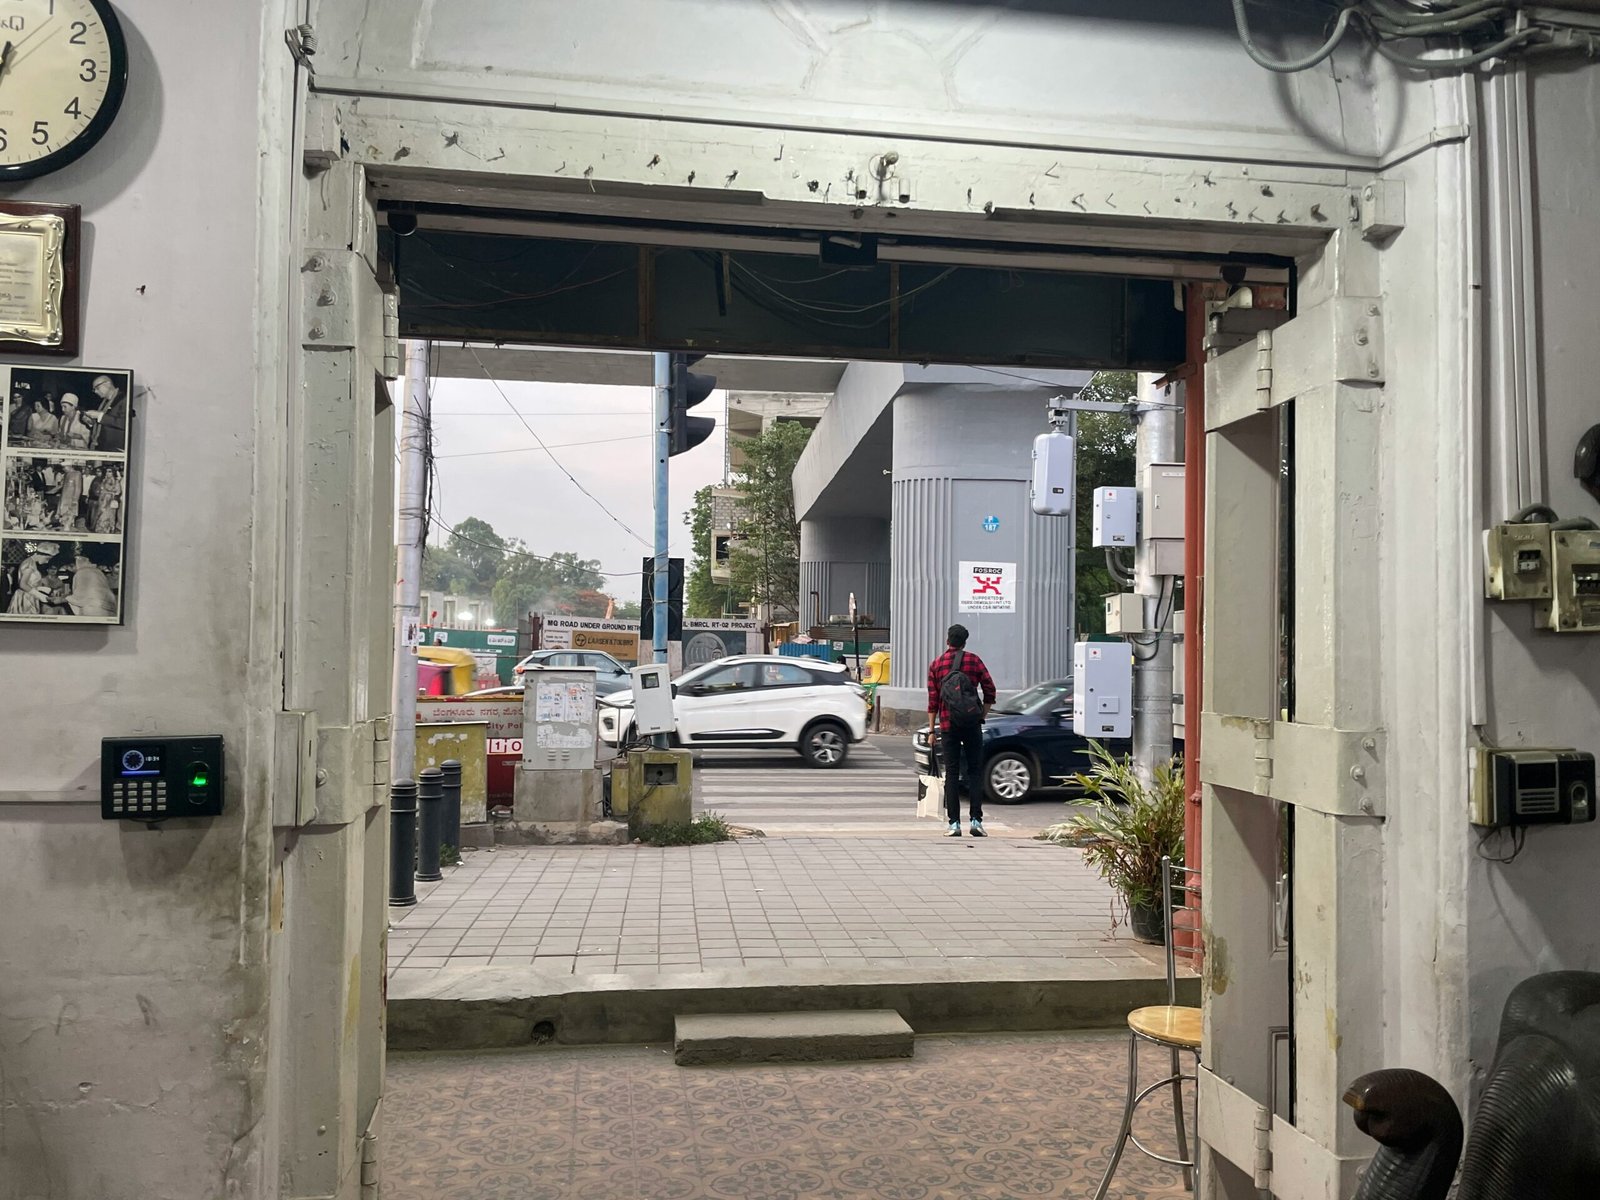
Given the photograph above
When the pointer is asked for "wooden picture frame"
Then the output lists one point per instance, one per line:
(40, 249)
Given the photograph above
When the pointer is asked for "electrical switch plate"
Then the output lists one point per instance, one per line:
(1575, 580)
(1516, 562)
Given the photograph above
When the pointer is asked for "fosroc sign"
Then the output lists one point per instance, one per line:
(988, 587)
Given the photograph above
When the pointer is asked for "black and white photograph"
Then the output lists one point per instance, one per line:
(60, 580)
(63, 494)
(73, 410)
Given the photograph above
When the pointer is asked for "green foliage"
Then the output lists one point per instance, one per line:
(1126, 827)
(480, 549)
(443, 570)
(706, 828)
(1105, 459)
(765, 562)
(561, 584)
(449, 856)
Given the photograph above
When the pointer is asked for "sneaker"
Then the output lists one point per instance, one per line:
(977, 829)
(954, 830)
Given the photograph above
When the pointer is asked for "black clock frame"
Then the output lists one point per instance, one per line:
(116, 89)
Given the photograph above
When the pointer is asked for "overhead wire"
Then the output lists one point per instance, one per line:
(600, 504)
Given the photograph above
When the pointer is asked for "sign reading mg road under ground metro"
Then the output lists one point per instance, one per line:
(988, 587)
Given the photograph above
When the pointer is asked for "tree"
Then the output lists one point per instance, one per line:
(702, 595)
(1104, 454)
(765, 560)
(443, 570)
(480, 548)
(553, 584)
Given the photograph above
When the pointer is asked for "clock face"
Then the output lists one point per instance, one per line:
(63, 70)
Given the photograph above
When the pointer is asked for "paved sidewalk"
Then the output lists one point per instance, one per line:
(800, 902)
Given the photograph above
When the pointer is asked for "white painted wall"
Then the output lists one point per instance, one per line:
(132, 1016)
(1544, 689)
(1158, 76)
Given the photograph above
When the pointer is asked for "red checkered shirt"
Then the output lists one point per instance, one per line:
(941, 667)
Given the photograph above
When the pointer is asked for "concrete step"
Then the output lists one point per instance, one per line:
(481, 1008)
(707, 1039)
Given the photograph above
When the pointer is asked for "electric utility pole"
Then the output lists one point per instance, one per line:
(408, 584)
(1156, 576)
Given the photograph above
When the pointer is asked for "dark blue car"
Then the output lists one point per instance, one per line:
(1028, 745)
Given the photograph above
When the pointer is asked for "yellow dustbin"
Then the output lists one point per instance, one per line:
(877, 668)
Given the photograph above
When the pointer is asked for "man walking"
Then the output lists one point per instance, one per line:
(960, 695)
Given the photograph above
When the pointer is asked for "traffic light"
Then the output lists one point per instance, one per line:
(687, 390)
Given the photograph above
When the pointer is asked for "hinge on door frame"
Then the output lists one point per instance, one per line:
(1262, 1174)
(1264, 368)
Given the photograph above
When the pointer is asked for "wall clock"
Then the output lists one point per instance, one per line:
(63, 72)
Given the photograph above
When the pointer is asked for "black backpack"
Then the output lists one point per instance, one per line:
(959, 696)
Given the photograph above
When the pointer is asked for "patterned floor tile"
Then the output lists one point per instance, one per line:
(980, 1118)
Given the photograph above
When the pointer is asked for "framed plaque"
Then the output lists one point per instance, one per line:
(39, 246)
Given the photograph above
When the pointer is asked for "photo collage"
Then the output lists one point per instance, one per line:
(64, 459)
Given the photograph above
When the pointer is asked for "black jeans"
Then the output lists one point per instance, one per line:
(961, 756)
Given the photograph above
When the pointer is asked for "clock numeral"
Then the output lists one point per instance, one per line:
(5, 142)
(41, 132)
(88, 70)
(72, 110)
(79, 34)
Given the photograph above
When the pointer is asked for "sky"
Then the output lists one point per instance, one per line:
(490, 466)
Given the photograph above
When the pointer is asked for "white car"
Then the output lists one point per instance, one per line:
(751, 702)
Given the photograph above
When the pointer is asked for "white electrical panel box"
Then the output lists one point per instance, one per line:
(652, 700)
(1161, 496)
(1575, 580)
(1116, 517)
(1053, 478)
(558, 719)
(1125, 613)
(1102, 674)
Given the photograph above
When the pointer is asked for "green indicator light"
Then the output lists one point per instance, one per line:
(199, 779)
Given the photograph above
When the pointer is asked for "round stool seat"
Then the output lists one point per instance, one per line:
(1169, 1024)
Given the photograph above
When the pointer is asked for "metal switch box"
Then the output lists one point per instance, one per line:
(1116, 517)
(1161, 492)
(558, 719)
(1516, 561)
(1125, 613)
(1575, 580)
(155, 778)
(652, 700)
(1102, 675)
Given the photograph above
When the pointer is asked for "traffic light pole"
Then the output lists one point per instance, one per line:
(663, 406)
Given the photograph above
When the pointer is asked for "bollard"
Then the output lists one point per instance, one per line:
(452, 803)
(430, 812)
(402, 843)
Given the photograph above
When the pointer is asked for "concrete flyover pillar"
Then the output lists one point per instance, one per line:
(841, 555)
(962, 464)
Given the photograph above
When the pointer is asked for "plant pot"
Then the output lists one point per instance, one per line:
(1148, 923)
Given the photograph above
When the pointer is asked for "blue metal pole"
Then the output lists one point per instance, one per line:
(663, 384)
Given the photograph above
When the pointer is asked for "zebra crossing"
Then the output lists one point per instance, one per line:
(873, 794)
(779, 794)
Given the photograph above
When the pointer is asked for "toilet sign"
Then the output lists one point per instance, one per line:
(991, 524)
(988, 587)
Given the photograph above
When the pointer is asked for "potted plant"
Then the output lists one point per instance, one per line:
(1125, 827)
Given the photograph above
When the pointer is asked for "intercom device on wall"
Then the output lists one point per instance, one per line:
(1533, 787)
(154, 778)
